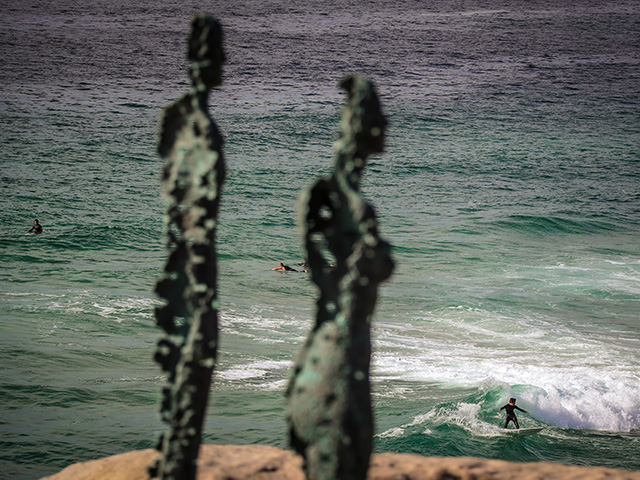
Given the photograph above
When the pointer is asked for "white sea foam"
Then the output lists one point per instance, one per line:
(565, 378)
(263, 324)
(31, 294)
(117, 309)
(255, 369)
(606, 402)
(392, 433)
(278, 385)
(580, 398)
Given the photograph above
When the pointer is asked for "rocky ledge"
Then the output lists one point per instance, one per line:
(259, 462)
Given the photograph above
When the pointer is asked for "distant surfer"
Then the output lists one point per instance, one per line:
(285, 268)
(511, 414)
(37, 228)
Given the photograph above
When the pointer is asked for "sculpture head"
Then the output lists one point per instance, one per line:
(363, 116)
(206, 52)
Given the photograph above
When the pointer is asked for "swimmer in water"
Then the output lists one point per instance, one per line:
(37, 228)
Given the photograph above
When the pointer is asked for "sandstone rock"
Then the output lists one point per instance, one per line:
(260, 462)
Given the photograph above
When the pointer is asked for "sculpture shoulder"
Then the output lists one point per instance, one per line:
(182, 113)
(174, 118)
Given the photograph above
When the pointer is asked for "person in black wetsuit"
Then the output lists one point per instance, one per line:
(37, 228)
(284, 268)
(511, 414)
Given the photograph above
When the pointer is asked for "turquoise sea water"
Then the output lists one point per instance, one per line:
(509, 189)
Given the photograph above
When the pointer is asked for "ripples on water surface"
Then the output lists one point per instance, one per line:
(509, 190)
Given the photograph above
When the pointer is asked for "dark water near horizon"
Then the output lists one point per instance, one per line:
(509, 189)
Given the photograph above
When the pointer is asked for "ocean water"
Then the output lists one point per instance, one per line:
(509, 189)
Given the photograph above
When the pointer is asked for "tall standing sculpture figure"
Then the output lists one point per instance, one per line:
(329, 411)
(193, 176)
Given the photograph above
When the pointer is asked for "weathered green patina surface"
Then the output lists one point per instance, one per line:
(193, 176)
(329, 411)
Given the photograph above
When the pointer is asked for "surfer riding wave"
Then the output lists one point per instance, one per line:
(511, 414)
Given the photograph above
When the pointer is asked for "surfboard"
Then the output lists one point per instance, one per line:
(523, 431)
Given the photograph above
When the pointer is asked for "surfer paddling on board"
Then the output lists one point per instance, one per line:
(285, 268)
(511, 414)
